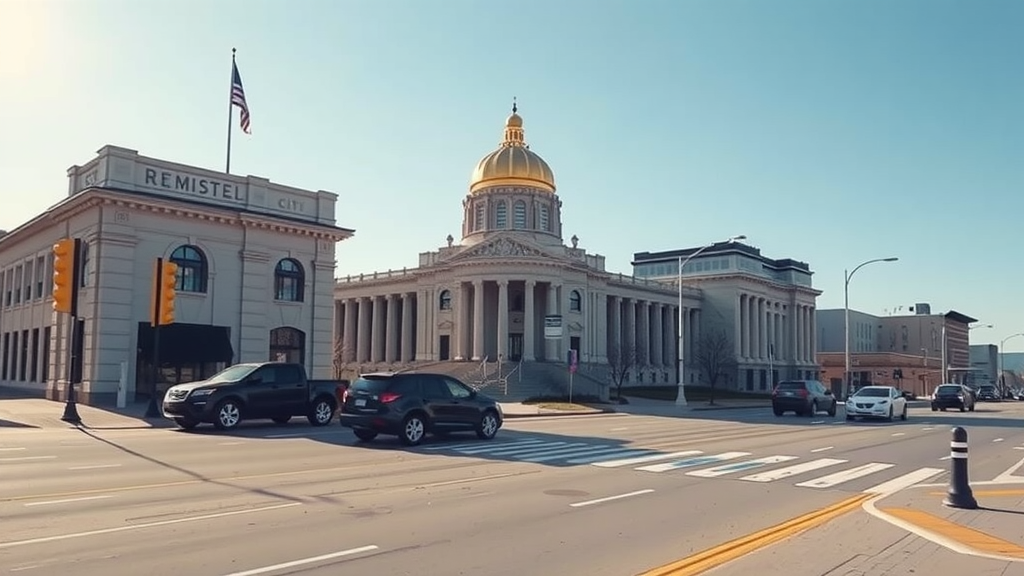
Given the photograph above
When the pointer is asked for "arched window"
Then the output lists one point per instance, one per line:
(545, 218)
(192, 270)
(445, 300)
(480, 213)
(289, 281)
(575, 301)
(288, 345)
(501, 215)
(519, 215)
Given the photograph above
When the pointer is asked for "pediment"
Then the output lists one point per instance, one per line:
(502, 247)
(445, 325)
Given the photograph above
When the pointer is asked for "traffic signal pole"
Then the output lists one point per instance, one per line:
(153, 410)
(70, 398)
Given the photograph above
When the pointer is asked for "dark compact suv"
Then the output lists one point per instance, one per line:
(952, 396)
(411, 405)
(805, 397)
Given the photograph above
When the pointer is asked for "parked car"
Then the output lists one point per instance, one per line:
(274, 390)
(988, 393)
(877, 402)
(952, 396)
(411, 405)
(804, 397)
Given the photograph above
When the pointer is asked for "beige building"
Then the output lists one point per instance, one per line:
(504, 305)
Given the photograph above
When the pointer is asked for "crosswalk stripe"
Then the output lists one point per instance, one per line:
(499, 451)
(528, 451)
(476, 445)
(690, 462)
(780, 473)
(845, 475)
(905, 481)
(642, 459)
(573, 452)
(621, 453)
(739, 466)
(492, 447)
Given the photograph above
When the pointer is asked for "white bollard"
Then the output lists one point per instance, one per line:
(122, 386)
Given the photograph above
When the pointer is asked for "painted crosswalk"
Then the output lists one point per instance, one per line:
(807, 471)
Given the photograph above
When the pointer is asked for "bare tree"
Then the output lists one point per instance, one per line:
(715, 356)
(341, 352)
(621, 359)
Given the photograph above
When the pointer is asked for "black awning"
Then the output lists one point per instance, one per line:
(187, 343)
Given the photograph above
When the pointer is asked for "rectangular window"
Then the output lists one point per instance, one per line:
(35, 355)
(17, 284)
(40, 271)
(23, 364)
(28, 281)
(46, 354)
(6, 351)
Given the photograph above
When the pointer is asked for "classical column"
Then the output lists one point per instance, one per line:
(363, 339)
(799, 353)
(551, 344)
(814, 334)
(780, 341)
(529, 321)
(644, 333)
(657, 336)
(808, 334)
(668, 328)
(751, 334)
(602, 327)
(390, 330)
(630, 324)
(741, 342)
(503, 320)
(460, 325)
(377, 331)
(478, 320)
(762, 328)
(349, 340)
(408, 355)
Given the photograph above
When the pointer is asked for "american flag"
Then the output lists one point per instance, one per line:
(238, 97)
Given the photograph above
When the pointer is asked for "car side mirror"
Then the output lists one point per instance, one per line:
(828, 392)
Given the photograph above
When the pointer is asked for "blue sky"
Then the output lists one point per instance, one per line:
(829, 132)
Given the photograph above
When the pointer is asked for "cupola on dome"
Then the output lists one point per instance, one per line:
(513, 163)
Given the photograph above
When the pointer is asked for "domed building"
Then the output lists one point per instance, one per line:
(502, 306)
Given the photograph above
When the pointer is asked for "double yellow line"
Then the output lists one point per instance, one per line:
(714, 557)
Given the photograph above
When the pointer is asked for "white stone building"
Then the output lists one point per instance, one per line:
(511, 291)
(255, 281)
(765, 307)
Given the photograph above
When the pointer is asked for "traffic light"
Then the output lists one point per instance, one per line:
(65, 284)
(164, 280)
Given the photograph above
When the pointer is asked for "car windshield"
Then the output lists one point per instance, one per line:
(234, 373)
(948, 390)
(791, 386)
(371, 385)
(873, 392)
(988, 388)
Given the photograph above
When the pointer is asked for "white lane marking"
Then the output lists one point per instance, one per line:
(773, 475)
(620, 429)
(998, 440)
(1018, 447)
(229, 443)
(899, 433)
(1009, 473)
(67, 500)
(512, 447)
(818, 422)
(690, 462)
(739, 466)
(611, 498)
(11, 449)
(846, 475)
(23, 568)
(528, 451)
(94, 467)
(825, 449)
(470, 445)
(304, 561)
(927, 428)
(293, 435)
(59, 537)
(559, 454)
(26, 458)
(946, 458)
(642, 459)
(905, 481)
(621, 453)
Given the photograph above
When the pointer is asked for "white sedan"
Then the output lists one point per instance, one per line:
(877, 402)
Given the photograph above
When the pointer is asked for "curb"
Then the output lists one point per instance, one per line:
(559, 413)
(710, 408)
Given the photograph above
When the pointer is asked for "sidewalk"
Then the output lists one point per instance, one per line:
(650, 407)
(991, 531)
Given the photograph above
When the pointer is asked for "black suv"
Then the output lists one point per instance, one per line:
(805, 397)
(409, 405)
(952, 396)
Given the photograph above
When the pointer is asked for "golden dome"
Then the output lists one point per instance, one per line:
(513, 163)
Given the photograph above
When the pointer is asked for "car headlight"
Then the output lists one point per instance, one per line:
(202, 393)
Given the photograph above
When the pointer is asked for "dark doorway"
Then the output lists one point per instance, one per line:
(287, 345)
(444, 346)
(188, 352)
(515, 347)
(574, 344)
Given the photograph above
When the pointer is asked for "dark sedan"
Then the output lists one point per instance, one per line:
(410, 405)
(952, 396)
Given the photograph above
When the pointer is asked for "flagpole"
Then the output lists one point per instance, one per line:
(227, 168)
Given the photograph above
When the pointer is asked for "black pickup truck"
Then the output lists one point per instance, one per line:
(274, 390)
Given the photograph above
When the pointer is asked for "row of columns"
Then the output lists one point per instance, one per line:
(377, 328)
(649, 328)
(771, 328)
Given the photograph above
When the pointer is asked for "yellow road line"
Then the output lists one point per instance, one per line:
(714, 557)
(969, 537)
(990, 493)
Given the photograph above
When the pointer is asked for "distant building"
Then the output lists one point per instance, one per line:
(985, 361)
(864, 331)
(765, 307)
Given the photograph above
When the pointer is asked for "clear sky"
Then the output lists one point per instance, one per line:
(828, 132)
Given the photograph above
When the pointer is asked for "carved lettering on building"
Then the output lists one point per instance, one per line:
(194, 185)
(121, 217)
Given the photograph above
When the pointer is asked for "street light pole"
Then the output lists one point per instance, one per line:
(681, 394)
(846, 319)
(1002, 379)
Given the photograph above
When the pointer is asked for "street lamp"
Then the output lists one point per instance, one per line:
(846, 317)
(681, 395)
(1002, 379)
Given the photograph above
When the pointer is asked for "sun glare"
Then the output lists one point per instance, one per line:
(27, 33)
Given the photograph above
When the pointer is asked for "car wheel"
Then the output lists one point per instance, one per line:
(832, 410)
(972, 407)
(814, 409)
(849, 418)
(365, 435)
(963, 409)
(904, 415)
(488, 425)
(777, 412)
(228, 415)
(935, 409)
(186, 423)
(321, 413)
(890, 416)
(413, 430)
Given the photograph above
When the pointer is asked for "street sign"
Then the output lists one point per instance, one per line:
(553, 326)
(573, 361)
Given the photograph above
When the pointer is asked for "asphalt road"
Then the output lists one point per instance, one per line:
(597, 495)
